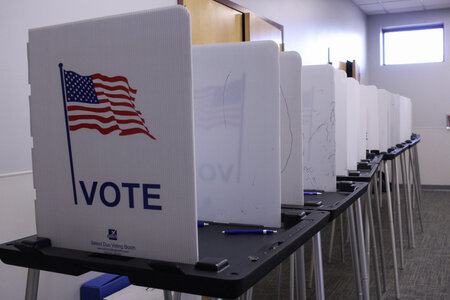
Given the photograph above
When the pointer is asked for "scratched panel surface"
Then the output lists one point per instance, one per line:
(341, 122)
(318, 127)
(291, 130)
(237, 132)
(352, 123)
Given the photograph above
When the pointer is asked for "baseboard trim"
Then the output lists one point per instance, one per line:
(6, 175)
(429, 187)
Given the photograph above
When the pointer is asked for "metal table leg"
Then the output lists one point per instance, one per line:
(291, 276)
(300, 271)
(408, 204)
(416, 189)
(168, 295)
(176, 296)
(362, 251)
(341, 222)
(317, 249)
(374, 242)
(330, 249)
(280, 269)
(399, 209)
(311, 271)
(354, 251)
(32, 284)
(380, 232)
(391, 224)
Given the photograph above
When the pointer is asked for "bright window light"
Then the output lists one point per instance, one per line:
(412, 45)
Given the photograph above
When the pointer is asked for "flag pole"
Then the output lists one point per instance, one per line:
(68, 132)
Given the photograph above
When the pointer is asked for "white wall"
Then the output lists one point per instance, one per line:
(17, 217)
(313, 26)
(428, 86)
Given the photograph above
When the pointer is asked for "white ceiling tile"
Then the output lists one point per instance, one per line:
(365, 1)
(436, 4)
(372, 9)
(402, 4)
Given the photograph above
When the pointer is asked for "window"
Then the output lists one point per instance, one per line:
(412, 45)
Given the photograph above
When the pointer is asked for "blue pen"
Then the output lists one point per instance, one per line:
(312, 193)
(258, 231)
(202, 224)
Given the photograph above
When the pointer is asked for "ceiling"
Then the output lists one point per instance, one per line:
(376, 7)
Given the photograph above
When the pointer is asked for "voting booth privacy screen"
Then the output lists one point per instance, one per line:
(291, 129)
(237, 132)
(112, 124)
(318, 127)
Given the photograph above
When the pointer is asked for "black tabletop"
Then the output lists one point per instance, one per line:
(365, 175)
(229, 264)
(400, 148)
(333, 202)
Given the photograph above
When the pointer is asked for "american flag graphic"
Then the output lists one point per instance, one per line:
(220, 106)
(103, 103)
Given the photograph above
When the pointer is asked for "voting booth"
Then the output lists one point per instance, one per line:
(405, 118)
(371, 95)
(112, 125)
(364, 97)
(340, 78)
(237, 132)
(114, 132)
(394, 120)
(318, 127)
(383, 119)
(353, 104)
(291, 129)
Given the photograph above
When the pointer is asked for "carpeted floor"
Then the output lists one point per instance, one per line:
(426, 273)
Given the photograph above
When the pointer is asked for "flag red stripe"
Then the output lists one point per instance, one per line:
(115, 96)
(102, 110)
(135, 131)
(102, 130)
(105, 120)
(113, 88)
(128, 104)
(112, 79)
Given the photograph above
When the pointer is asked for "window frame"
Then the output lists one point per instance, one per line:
(411, 28)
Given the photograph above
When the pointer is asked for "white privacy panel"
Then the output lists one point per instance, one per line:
(291, 128)
(394, 120)
(383, 119)
(371, 94)
(237, 132)
(113, 155)
(318, 126)
(408, 131)
(364, 95)
(340, 78)
(405, 118)
(352, 123)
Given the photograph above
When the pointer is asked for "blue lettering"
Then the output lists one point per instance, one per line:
(110, 194)
(116, 191)
(89, 198)
(146, 195)
(130, 187)
(225, 175)
(207, 172)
